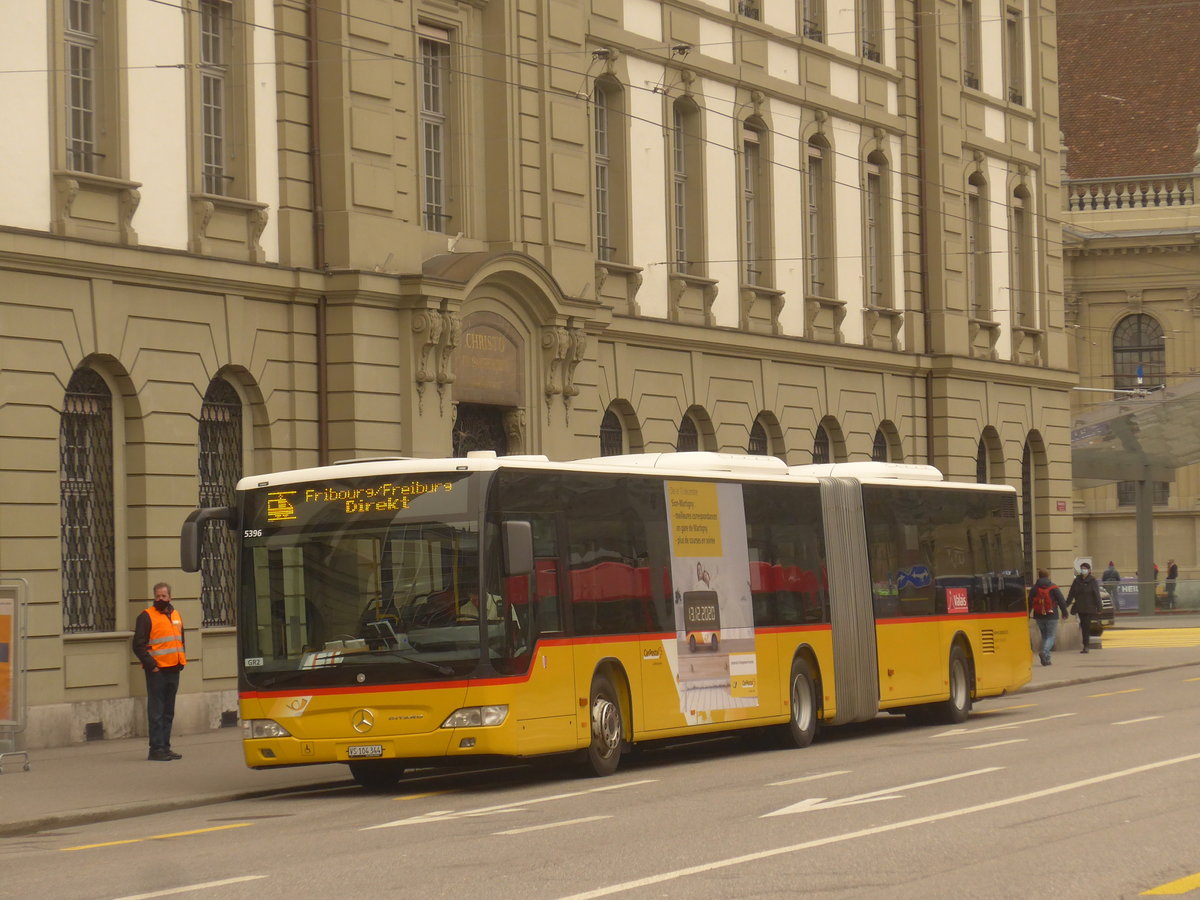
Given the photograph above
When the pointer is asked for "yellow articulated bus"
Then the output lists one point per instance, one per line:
(409, 612)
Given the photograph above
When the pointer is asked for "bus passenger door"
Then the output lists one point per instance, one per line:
(545, 704)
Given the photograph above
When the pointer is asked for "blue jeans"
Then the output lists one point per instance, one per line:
(1048, 626)
(161, 687)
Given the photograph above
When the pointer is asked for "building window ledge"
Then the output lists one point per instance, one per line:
(227, 227)
(983, 334)
(881, 327)
(760, 308)
(691, 298)
(617, 284)
(823, 317)
(95, 207)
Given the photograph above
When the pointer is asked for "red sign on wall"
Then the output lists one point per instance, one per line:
(1061, 505)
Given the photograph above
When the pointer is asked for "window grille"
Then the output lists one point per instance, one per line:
(820, 450)
(748, 9)
(688, 438)
(220, 468)
(86, 505)
(968, 18)
(758, 441)
(612, 436)
(879, 450)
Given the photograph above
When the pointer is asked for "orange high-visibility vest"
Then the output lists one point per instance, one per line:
(166, 638)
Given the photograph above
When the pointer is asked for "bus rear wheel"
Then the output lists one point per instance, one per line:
(801, 729)
(379, 775)
(608, 730)
(955, 709)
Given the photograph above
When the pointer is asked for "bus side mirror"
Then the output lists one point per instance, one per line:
(518, 548)
(192, 532)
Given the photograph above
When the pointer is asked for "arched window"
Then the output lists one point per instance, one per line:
(1023, 287)
(978, 263)
(687, 193)
(759, 445)
(879, 449)
(612, 435)
(756, 206)
(85, 444)
(220, 463)
(1138, 353)
(981, 463)
(609, 170)
(818, 223)
(877, 254)
(689, 438)
(820, 452)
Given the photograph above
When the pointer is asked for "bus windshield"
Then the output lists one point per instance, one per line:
(358, 582)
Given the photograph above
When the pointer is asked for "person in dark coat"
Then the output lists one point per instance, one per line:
(1084, 599)
(1172, 576)
(1045, 603)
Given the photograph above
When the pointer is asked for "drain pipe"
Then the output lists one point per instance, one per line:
(318, 239)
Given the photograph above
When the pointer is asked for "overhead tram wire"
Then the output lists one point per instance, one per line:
(1042, 216)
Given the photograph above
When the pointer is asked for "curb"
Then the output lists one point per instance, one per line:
(148, 808)
(1106, 676)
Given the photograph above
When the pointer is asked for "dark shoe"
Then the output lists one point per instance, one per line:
(174, 755)
(1084, 650)
(160, 755)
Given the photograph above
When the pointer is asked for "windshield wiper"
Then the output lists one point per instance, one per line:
(392, 636)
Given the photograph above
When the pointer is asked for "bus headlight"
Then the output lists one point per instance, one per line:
(263, 728)
(476, 715)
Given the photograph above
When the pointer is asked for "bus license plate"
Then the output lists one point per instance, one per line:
(364, 751)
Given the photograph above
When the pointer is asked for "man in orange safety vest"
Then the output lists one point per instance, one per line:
(158, 645)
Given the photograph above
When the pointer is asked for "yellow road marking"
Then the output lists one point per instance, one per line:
(1178, 886)
(1114, 693)
(1186, 680)
(159, 837)
(1151, 637)
(427, 794)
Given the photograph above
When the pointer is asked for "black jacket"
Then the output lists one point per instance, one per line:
(1084, 595)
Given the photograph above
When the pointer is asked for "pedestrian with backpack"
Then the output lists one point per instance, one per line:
(1045, 603)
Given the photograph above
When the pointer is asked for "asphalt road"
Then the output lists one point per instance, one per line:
(1088, 790)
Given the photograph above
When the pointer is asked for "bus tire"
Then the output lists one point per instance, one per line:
(692, 643)
(955, 709)
(607, 727)
(714, 643)
(379, 775)
(801, 728)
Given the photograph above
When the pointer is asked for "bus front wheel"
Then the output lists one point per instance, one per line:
(608, 731)
(802, 727)
(376, 776)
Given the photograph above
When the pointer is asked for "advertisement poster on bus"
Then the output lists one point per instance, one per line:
(8, 681)
(716, 666)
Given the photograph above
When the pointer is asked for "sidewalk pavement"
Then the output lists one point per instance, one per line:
(97, 782)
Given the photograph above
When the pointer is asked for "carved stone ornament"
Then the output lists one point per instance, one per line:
(427, 323)
(577, 352)
(514, 430)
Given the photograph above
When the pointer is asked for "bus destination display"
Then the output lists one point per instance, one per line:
(336, 503)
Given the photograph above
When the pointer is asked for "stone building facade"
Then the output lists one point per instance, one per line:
(1131, 124)
(263, 234)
